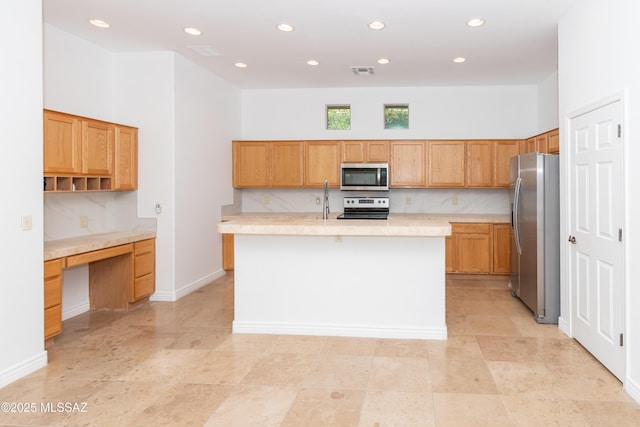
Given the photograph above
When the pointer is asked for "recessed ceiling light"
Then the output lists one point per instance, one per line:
(383, 61)
(99, 23)
(313, 62)
(475, 22)
(240, 65)
(287, 28)
(459, 60)
(376, 25)
(192, 31)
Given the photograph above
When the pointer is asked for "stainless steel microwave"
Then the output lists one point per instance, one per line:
(364, 176)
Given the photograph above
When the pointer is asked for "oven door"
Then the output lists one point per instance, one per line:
(364, 176)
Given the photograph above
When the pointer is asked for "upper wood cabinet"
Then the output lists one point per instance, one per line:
(554, 142)
(126, 158)
(502, 153)
(446, 163)
(62, 147)
(407, 163)
(82, 154)
(530, 145)
(97, 147)
(251, 164)
(365, 151)
(542, 143)
(479, 163)
(321, 162)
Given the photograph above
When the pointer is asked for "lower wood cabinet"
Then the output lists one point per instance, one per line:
(477, 248)
(144, 269)
(227, 251)
(52, 297)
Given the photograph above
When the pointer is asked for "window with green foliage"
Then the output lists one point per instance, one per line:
(339, 117)
(396, 116)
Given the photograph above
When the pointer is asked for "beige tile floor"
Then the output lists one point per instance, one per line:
(178, 364)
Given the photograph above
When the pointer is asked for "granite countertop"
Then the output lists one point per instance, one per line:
(311, 224)
(76, 245)
(482, 218)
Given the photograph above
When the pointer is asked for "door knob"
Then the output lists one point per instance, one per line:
(572, 239)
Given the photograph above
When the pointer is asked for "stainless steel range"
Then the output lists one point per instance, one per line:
(365, 208)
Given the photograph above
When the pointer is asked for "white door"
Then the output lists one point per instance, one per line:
(595, 222)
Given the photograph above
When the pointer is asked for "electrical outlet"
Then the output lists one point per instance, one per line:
(84, 221)
(265, 200)
(408, 201)
(27, 222)
(158, 208)
(317, 200)
(454, 201)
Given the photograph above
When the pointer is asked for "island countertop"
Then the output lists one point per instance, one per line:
(311, 224)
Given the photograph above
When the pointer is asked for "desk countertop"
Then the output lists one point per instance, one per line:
(75, 245)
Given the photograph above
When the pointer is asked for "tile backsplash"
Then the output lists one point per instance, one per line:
(105, 211)
(466, 200)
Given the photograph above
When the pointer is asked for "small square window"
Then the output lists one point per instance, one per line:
(396, 116)
(339, 117)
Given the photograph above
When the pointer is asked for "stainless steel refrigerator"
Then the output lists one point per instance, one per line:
(535, 234)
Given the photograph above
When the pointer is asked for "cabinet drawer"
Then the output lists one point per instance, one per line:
(52, 268)
(144, 246)
(52, 291)
(52, 321)
(470, 228)
(143, 286)
(143, 264)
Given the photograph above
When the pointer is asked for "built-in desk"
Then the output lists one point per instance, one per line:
(121, 272)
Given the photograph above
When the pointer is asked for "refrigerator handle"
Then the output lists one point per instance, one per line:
(516, 221)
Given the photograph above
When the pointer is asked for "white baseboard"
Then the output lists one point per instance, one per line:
(23, 368)
(633, 389)
(186, 290)
(68, 313)
(338, 330)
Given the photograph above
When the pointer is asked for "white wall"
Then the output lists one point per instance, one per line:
(21, 313)
(548, 103)
(598, 59)
(469, 112)
(207, 116)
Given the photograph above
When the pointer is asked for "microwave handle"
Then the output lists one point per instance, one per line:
(378, 176)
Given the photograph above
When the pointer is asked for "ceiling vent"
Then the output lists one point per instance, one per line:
(362, 70)
(204, 50)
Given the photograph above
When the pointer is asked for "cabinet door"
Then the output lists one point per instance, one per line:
(408, 164)
(62, 150)
(501, 249)
(450, 254)
(353, 151)
(542, 143)
(97, 147)
(321, 162)
(479, 163)
(286, 164)
(502, 153)
(474, 253)
(126, 158)
(446, 163)
(250, 164)
(554, 142)
(377, 151)
(530, 145)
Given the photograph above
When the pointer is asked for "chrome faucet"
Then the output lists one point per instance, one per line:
(325, 203)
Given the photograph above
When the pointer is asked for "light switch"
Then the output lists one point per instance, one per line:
(27, 222)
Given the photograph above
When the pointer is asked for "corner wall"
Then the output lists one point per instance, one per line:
(22, 284)
(597, 59)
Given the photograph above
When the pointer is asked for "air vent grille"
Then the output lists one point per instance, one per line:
(204, 50)
(363, 70)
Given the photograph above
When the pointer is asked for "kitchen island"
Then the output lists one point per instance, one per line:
(301, 275)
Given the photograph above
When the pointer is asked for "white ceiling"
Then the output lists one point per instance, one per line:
(517, 45)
